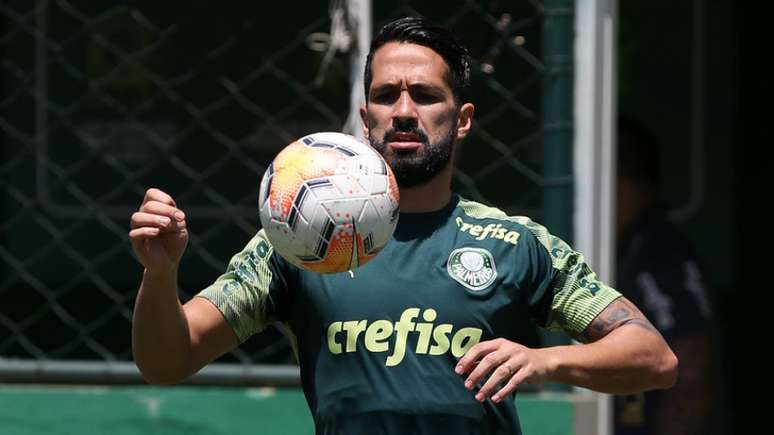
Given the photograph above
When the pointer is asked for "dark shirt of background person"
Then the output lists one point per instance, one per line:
(657, 269)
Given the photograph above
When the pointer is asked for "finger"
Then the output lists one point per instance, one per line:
(487, 364)
(140, 219)
(474, 354)
(137, 235)
(163, 223)
(513, 383)
(154, 194)
(160, 208)
(501, 375)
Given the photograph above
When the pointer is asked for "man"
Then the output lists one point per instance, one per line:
(658, 271)
(425, 338)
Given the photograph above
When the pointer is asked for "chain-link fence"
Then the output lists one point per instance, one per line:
(100, 102)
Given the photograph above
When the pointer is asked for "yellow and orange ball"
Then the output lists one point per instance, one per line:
(328, 202)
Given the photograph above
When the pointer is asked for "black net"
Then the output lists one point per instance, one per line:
(101, 102)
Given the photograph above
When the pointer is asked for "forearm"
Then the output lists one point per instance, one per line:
(629, 359)
(160, 335)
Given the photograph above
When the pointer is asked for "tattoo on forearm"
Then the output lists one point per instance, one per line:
(620, 312)
(642, 323)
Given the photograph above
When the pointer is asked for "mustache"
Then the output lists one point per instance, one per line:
(409, 129)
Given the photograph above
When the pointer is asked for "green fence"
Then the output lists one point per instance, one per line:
(100, 101)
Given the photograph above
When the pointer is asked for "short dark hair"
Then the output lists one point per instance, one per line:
(420, 31)
(639, 159)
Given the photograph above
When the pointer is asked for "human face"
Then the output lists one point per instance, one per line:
(410, 116)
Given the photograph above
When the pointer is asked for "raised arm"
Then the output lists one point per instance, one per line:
(623, 353)
(170, 342)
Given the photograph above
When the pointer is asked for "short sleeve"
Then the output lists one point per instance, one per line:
(565, 292)
(247, 293)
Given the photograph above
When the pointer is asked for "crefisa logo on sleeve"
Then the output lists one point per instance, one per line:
(472, 267)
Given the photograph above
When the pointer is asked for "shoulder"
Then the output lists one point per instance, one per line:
(258, 247)
(260, 243)
(483, 221)
(258, 257)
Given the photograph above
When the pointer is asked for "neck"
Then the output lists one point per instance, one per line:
(431, 196)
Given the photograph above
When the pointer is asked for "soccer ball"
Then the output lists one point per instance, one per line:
(328, 202)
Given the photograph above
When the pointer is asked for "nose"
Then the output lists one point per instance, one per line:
(405, 111)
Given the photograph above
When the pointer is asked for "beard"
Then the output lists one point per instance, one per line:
(415, 167)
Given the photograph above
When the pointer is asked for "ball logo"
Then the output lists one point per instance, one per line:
(472, 267)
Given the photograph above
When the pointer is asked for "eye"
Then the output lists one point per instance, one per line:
(424, 97)
(384, 96)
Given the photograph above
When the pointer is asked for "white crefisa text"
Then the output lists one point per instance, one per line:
(492, 231)
(432, 339)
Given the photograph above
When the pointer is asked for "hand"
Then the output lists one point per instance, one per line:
(158, 232)
(507, 363)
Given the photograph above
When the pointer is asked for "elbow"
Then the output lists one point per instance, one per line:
(160, 379)
(668, 370)
(160, 375)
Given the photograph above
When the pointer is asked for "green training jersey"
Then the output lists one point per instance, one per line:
(377, 346)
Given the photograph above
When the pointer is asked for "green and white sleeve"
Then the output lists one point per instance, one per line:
(570, 293)
(244, 292)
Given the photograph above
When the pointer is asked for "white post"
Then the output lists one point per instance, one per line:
(360, 17)
(594, 147)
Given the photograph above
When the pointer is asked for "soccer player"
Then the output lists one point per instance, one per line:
(425, 338)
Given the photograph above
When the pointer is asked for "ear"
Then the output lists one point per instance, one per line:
(465, 120)
(364, 118)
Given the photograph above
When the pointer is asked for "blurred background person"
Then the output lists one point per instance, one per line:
(658, 271)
